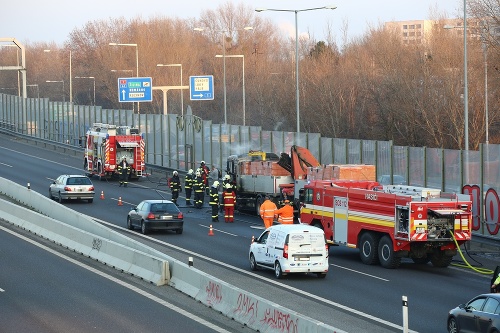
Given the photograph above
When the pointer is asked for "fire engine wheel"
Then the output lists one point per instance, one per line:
(368, 248)
(253, 263)
(439, 259)
(144, 229)
(277, 270)
(421, 261)
(386, 253)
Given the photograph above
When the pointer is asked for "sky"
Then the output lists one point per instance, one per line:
(31, 21)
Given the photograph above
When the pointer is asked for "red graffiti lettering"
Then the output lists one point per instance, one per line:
(247, 306)
(214, 294)
(281, 321)
(491, 211)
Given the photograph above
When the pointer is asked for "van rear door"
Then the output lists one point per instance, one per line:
(307, 246)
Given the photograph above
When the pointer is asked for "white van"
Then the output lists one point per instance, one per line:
(290, 248)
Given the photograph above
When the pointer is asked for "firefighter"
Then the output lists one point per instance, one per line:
(204, 172)
(175, 187)
(199, 189)
(188, 185)
(495, 286)
(229, 200)
(214, 201)
(285, 213)
(227, 180)
(267, 212)
(123, 170)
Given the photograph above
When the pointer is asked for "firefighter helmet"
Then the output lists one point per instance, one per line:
(216, 183)
(227, 177)
(198, 174)
(190, 172)
(202, 163)
(175, 173)
(228, 186)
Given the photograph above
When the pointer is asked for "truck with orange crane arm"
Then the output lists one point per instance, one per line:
(105, 147)
(390, 222)
(257, 174)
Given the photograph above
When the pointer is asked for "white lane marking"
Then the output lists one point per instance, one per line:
(124, 284)
(10, 166)
(256, 227)
(298, 291)
(40, 158)
(218, 230)
(1, 290)
(352, 270)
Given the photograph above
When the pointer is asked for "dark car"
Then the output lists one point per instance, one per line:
(72, 187)
(396, 180)
(156, 215)
(481, 314)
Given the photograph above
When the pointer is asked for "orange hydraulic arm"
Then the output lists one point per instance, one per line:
(297, 163)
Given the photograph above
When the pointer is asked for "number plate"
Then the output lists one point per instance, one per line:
(165, 217)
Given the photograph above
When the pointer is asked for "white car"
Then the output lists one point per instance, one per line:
(290, 248)
(72, 187)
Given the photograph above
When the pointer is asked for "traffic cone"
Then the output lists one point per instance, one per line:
(211, 231)
(102, 195)
(120, 201)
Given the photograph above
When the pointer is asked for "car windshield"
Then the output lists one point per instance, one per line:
(164, 208)
(78, 181)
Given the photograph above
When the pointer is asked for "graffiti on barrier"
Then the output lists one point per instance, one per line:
(247, 307)
(281, 321)
(214, 293)
(491, 209)
(96, 244)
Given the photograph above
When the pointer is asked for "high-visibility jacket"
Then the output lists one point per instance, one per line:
(214, 196)
(188, 181)
(285, 214)
(229, 198)
(198, 184)
(268, 209)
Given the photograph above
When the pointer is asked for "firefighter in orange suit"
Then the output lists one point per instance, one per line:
(229, 199)
(285, 213)
(267, 212)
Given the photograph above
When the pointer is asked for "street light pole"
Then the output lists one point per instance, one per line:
(182, 93)
(88, 77)
(485, 54)
(296, 11)
(243, 84)
(223, 32)
(136, 61)
(466, 87)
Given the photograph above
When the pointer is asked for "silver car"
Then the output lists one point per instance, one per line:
(72, 187)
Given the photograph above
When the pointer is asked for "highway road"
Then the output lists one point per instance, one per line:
(353, 297)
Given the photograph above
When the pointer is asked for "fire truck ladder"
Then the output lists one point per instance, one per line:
(137, 157)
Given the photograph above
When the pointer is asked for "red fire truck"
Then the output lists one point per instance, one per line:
(387, 223)
(106, 145)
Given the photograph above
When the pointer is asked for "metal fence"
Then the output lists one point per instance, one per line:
(183, 142)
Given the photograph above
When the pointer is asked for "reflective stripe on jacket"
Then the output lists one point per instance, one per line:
(267, 209)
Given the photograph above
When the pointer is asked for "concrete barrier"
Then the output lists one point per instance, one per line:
(82, 234)
(145, 266)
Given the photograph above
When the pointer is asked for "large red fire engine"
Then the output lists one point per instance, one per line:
(106, 145)
(389, 222)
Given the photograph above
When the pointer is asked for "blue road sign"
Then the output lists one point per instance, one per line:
(201, 87)
(135, 89)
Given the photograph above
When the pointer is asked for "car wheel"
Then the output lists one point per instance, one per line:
(129, 224)
(253, 263)
(178, 231)
(50, 195)
(59, 197)
(91, 200)
(452, 325)
(277, 270)
(144, 229)
(386, 253)
(321, 275)
(258, 203)
(368, 248)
